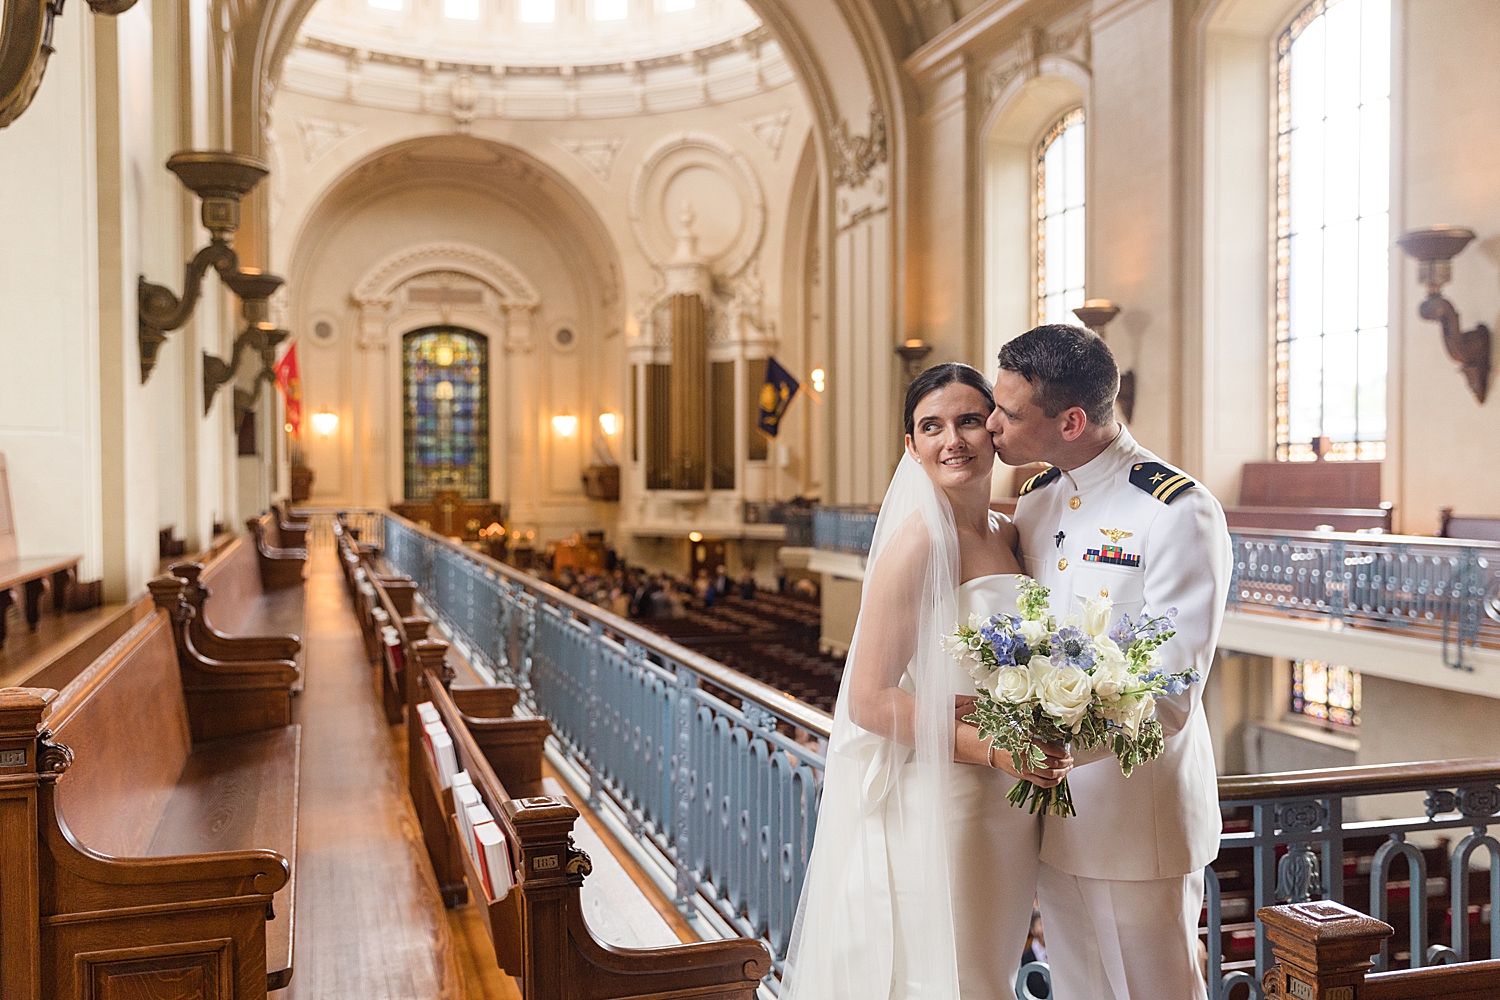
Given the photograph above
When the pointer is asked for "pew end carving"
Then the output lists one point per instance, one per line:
(280, 565)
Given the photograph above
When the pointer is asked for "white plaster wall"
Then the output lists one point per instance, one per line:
(1445, 162)
(49, 406)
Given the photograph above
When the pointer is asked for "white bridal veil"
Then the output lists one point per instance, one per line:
(882, 831)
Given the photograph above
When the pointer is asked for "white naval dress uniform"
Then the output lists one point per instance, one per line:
(1121, 883)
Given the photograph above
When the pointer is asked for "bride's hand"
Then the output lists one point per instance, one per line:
(1057, 762)
(963, 704)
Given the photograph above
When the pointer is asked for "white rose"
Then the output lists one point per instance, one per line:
(1067, 695)
(1033, 632)
(1110, 678)
(1011, 685)
(1136, 711)
(1096, 612)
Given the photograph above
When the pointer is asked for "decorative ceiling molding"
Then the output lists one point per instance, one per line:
(770, 130)
(319, 135)
(746, 246)
(509, 283)
(598, 155)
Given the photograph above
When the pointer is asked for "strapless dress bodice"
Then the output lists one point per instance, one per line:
(988, 595)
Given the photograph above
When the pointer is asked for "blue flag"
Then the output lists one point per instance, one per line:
(775, 396)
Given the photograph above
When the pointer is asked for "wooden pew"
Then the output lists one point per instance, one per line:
(31, 575)
(138, 860)
(245, 621)
(1323, 951)
(1304, 496)
(280, 567)
(1486, 529)
(538, 929)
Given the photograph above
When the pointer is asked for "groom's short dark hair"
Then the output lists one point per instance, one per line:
(1067, 366)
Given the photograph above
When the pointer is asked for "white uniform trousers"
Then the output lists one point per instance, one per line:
(1114, 940)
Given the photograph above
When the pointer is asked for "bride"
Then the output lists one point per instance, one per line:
(922, 876)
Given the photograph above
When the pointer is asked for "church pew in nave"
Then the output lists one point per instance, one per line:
(1306, 496)
(139, 858)
(243, 621)
(538, 929)
(32, 575)
(280, 566)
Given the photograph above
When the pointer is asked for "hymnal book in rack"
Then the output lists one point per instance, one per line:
(440, 746)
(494, 860)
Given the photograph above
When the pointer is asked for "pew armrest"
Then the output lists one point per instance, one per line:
(513, 748)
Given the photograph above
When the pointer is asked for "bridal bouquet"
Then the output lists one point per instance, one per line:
(1040, 682)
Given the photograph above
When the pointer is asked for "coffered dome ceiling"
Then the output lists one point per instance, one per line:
(506, 59)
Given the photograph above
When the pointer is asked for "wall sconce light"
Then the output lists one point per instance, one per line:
(695, 537)
(1433, 249)
(912, 354)
(609, 423)
(220, 179)
(565, 425)
(1096, 314)
(819, 379)
(325, 422)
(260, 334)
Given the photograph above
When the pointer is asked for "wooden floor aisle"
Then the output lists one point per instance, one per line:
(370, 923)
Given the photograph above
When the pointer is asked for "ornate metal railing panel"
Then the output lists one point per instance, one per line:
(714, 770)
(719, 774)
(1439, 588)
(844, 529)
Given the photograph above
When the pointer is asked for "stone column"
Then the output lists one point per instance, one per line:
(520, 484)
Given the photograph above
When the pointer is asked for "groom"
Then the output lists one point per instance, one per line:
(1121, 884)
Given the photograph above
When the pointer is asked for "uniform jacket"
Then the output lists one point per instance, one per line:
(1131, 527)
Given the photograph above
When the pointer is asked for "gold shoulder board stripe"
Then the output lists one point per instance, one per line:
(1167, 487)
(1173, 488)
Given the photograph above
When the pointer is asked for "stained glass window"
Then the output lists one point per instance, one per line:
(445, 373)
(1333, 229)
(1325, 692)
(1059, 220)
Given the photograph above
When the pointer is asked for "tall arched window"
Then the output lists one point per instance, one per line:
(1059, 220)
(1333, 229)
(445, 378)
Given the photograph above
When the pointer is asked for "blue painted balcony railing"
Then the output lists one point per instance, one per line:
(1440, 588)
(714, 770)
(844, 529)
(719, 774)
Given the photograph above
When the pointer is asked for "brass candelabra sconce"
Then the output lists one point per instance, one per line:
(1096, 314)
(220, 179)
(1433, 249)
(260, 335)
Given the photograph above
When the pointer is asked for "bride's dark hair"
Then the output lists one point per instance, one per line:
(937, 377)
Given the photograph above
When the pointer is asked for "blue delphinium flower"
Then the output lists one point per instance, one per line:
(1124, 632)
(1074, 645)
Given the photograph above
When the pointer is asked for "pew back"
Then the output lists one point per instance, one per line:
(126, 721)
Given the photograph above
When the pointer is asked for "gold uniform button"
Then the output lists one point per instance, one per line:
(1075, 503)
(1062, 564)
(1104, 592)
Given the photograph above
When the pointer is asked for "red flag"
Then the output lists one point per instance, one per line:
(290, 383)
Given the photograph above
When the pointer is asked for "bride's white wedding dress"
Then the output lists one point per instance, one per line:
(993, 849)
(923, 880)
